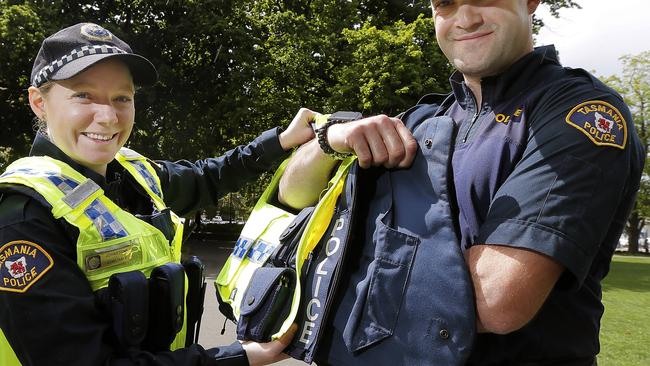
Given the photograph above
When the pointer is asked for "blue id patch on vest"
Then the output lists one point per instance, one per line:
(601, 122)
(22, 263)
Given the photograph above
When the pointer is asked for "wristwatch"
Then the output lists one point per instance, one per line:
(320, 129)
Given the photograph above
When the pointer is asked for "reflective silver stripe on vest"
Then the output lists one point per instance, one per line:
(106, 224)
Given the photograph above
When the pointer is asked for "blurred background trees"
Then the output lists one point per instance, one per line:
(230, 69)
(634, 85)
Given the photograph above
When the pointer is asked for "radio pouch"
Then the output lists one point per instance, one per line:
(284, 255)
(258, 241)
(266, 303)
(129, 306)
(166, 306)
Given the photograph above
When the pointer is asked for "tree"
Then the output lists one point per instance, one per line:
(21, 32)
(389, 68)
(634, 86)
(230, 69)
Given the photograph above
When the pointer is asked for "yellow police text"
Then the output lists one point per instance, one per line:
(22, 281)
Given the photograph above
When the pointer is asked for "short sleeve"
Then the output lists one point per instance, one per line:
(574, 175)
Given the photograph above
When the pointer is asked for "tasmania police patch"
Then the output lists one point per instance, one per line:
(22, 263)
(601, 122)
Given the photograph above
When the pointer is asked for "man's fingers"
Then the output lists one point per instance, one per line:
(362, 151)
(393, 141)
(376, 141)
(378, 149)
(408, 142)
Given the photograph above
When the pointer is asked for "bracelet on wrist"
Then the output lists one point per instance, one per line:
(321, 132)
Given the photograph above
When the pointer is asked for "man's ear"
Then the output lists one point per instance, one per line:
(532, 5)
(36, 101)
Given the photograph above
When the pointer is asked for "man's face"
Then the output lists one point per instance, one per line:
(483, 37)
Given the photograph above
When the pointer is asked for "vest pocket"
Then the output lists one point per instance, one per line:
(379, 296)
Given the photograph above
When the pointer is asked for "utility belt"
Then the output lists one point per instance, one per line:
(284, 266)
(148, 313)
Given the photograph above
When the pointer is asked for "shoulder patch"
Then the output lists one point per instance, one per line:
(601, 122)
(22, 263)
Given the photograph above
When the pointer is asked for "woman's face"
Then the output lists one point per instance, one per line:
(89, 116)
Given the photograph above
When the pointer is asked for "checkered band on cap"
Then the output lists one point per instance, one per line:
(46, 72)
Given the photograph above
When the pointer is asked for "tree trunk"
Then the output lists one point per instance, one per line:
(634, 225)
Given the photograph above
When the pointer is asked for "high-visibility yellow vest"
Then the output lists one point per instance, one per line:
(111, 240)
(260, 236)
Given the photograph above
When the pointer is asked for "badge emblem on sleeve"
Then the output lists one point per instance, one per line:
(22, 263)
(601, 122)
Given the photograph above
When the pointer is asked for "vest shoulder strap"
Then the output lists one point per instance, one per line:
(143, 172)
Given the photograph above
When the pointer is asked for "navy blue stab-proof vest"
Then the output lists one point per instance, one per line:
(407, 297)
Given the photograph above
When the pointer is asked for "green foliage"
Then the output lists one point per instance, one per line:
(389, 68)
(625, 327)
(21, 32)
(230, 69)
(634, 86)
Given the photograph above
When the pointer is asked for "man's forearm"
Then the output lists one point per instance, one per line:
(510, 285)
(306, 176)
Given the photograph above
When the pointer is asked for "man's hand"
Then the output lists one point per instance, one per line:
(266, 353)
(376, 141)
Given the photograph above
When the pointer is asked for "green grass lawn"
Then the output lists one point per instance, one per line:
(625, 330)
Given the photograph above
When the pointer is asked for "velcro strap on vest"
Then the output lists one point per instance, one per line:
(80, 194)
(75, 198)
(129, 154)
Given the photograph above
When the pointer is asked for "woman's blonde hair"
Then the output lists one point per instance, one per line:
(40, 125)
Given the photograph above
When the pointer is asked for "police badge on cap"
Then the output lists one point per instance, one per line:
(95, 32)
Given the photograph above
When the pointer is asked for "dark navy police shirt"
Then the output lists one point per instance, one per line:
(549, 162)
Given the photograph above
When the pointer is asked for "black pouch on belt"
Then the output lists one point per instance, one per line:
(266, 303)
(129, 306)
(166, 306)
(195, 294)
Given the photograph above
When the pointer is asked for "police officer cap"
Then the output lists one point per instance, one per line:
(74, 49)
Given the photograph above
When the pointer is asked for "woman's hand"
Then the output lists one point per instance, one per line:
(266, 353)
(299, 130)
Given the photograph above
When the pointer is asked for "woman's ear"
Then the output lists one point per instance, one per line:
(37, 101)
